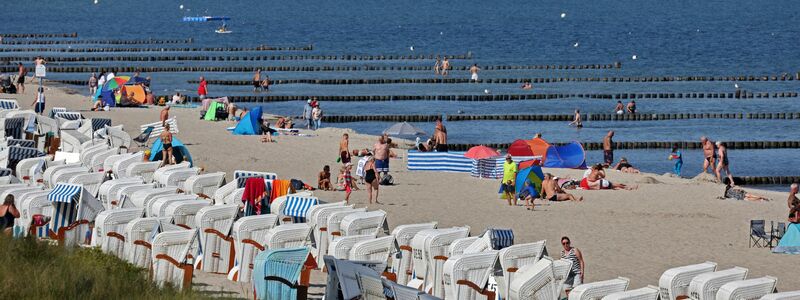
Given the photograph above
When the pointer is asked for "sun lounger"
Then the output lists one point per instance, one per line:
(706, 285)
(183, 212)
(246, 233)
(204, 185)
(795, 295)
(109, 227)
(599, 289)
(282, 274)
(91, 181)
(514, 257)
(465, 276)
(371, 222)
(120, 167)
(142, 198)
(403, 234)
(171, 255)
(645, 293)
(377, 249)
(214, 225)
(74, 209)
(430, 248)
(157, 207)
(747, 289)
(675, 282)
(142, 169)
(158, 127)
(340, 247)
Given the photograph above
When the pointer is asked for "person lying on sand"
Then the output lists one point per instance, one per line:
(625, 167)
(596, 181)
(737, 193)
(552, 192)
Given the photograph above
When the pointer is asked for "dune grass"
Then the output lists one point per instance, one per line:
(37, 270)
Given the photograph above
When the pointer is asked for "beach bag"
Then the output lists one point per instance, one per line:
(387, 180)
(297, 185)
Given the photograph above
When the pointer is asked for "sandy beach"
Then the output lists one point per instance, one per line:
(667, 222)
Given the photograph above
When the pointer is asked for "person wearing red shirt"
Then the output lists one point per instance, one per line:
(202, 91)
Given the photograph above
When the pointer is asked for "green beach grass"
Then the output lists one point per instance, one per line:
(37, 270)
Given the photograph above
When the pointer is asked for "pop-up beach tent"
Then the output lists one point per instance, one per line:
(534, 175)
(539, 147)
(211, 113)
(790, 242)
(250, 124)
(179, 151)
(569, 156)
(520, 148)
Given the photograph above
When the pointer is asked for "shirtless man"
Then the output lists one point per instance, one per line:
(381, 154)
(344, 149)
(619, 109)
(474, 71)
(577, 121)
(21, 78)
(445, 67)
(631, 107)
(722, 165)
(608, 148)
(552, 192)
(257, 80)
(166, 141)
(437, 67)
(708, 154)
(597, 180)
(164, 116)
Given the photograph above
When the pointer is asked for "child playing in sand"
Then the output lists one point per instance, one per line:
(678, 158)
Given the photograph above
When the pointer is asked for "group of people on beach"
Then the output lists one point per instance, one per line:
(312, 114)
(372, 169)
(715, 157)
(261, 83)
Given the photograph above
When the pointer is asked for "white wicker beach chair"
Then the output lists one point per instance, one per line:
(675, 282)
(794, 295)
(47, 176)
(108, 163)
(157, 207)
(235, 198)
(402, 292)
(33, 203)
(123, 195)
(335, 222)
(71, 141)
(561, 270)
(159, 173)
(171, 257)
(317, 218)
(142, 198)
(184, 212)
(401, 264)
(118, 137)
(223, 191)
(175, 177)
(340, 248)
(204, 185)
(288, 236)
(465, 276)
(430, 248)
(108, 189)
(214, 224)
(109, 227)
(458, 246)
(97, 160)
(534, 281)
(747, 289)
(137, 236)
(599, 289)
(90, 151)
(513, 258)
(248, 232)
(27, 169)
(371, 222)
(120, 167)
(45, 125)
(371, 287)
(311, 214)
(142, 169)
(91, 181)
(377, 249)
(63, 175)
(645, 293)
(706, 285)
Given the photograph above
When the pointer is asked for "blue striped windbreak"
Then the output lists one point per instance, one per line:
(296, 207)
(501, 238)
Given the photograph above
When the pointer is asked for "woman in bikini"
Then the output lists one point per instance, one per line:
(166, 141)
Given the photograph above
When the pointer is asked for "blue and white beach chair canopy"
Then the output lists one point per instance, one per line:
(501, 238)
(8, 104)
(65, 193)
(296, 207)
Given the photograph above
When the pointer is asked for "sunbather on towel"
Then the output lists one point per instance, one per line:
(625, 167)
(732, 192)
(552, 192)
(597, 180)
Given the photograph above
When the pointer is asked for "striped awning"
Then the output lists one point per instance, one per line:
(17, 154)
(8, 104)
(99, 123)
(296, 207)
(69, 115)
(501, 238)
(14, 127)
(21, 143)
(65, 193)
(241, 176)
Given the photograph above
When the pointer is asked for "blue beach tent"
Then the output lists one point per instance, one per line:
(532, 174)
(569, 156)
(790, 242)
(179, 151)
(250, 124)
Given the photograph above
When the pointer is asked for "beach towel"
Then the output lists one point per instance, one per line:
(360, 168)
(296, 207)
(14, 127)
(254, 189)
(280, 188)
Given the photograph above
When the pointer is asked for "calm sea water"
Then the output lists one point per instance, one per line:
(668, 38)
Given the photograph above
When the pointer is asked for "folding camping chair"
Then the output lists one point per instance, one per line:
(758, 235)
(144, 137)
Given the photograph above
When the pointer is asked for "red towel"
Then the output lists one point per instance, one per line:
(254, 189)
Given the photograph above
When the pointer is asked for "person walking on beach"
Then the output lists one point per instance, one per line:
(38, 104)
(307, 109)
(21, 78)
(437, 66)
(474, 71)
(576, 272)
(372, 178)
(709, 154)
(93, 84)
(577, 120)
(166, 149)
(509, 176)
(678, 158)
(445, 67)
(723, 164)
(380, 152)
(257, 80)
(619, 109)
(316, 114)
(349, 185)
(344, 149)
(202, 88)
(631, 107)
(608, 148)
(165, 115)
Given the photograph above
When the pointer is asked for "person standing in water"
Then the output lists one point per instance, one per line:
(474, 71)
(445, 66)
(608, 148)
(577, 120)
(678, 158)
(708, 153)
(437, 66)
(257, 80)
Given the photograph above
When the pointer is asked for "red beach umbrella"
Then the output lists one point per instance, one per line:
(481, 152)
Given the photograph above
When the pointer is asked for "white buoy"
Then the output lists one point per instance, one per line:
(486, 91)
(412, 48)
(634, 57)
(563, 15)
(576, 45)
(736, 85)
(181, 7)
(441, 32)
(95, 1)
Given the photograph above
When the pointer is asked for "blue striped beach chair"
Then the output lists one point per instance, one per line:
(5, 172)
(69, 115)
(21, 143)
(241, 176)
(14, 127)
(17, 154)
(282, 273)
(501, 238)
(74, 208)
(8, 104)
(297, 206)
(55, 110)
(100, 123)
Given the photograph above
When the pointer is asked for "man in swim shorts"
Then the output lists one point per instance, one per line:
(474, 71)
(708, 153)
(608, 148)
(552, 192)
(381, 154)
